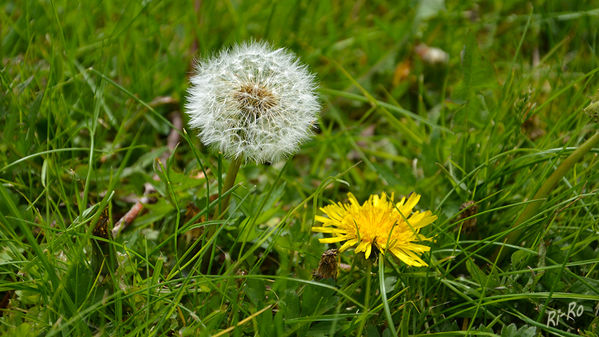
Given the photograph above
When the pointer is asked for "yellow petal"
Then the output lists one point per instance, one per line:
(352, 199)
(401, 202)
(348, 244)
(328, 230)
(414, 247)
(415, 258)
(368, 250)
(406, 209)
(333, 240)
(421, 237)
(362, 246)
(407, 258)
(421, 219)
(322, 219)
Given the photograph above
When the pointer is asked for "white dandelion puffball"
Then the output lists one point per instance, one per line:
(253, 102)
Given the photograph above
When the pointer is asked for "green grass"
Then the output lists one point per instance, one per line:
(81, 128)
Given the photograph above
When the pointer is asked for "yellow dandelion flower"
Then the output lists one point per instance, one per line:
(379, 222)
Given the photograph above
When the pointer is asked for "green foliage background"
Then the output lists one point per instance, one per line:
(88, 90)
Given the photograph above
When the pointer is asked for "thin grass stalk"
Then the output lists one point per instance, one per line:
(384, 296)
(543, 192)
(231, 175)
(366, 297)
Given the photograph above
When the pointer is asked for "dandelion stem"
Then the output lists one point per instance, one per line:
(229, 182)
(548, 186)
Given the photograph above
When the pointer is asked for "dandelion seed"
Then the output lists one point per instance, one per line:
(253, 103)
(379, 223)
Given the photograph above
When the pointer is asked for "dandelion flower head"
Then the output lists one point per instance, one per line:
(379, 223)
(253, 102)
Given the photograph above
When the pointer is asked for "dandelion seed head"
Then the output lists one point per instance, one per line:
(253, 102)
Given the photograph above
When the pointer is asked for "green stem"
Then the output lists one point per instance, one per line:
(229, 182)
(549, 184)
(364, 317)
(384, 295)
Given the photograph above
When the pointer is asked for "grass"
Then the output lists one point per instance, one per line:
(89, 94)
